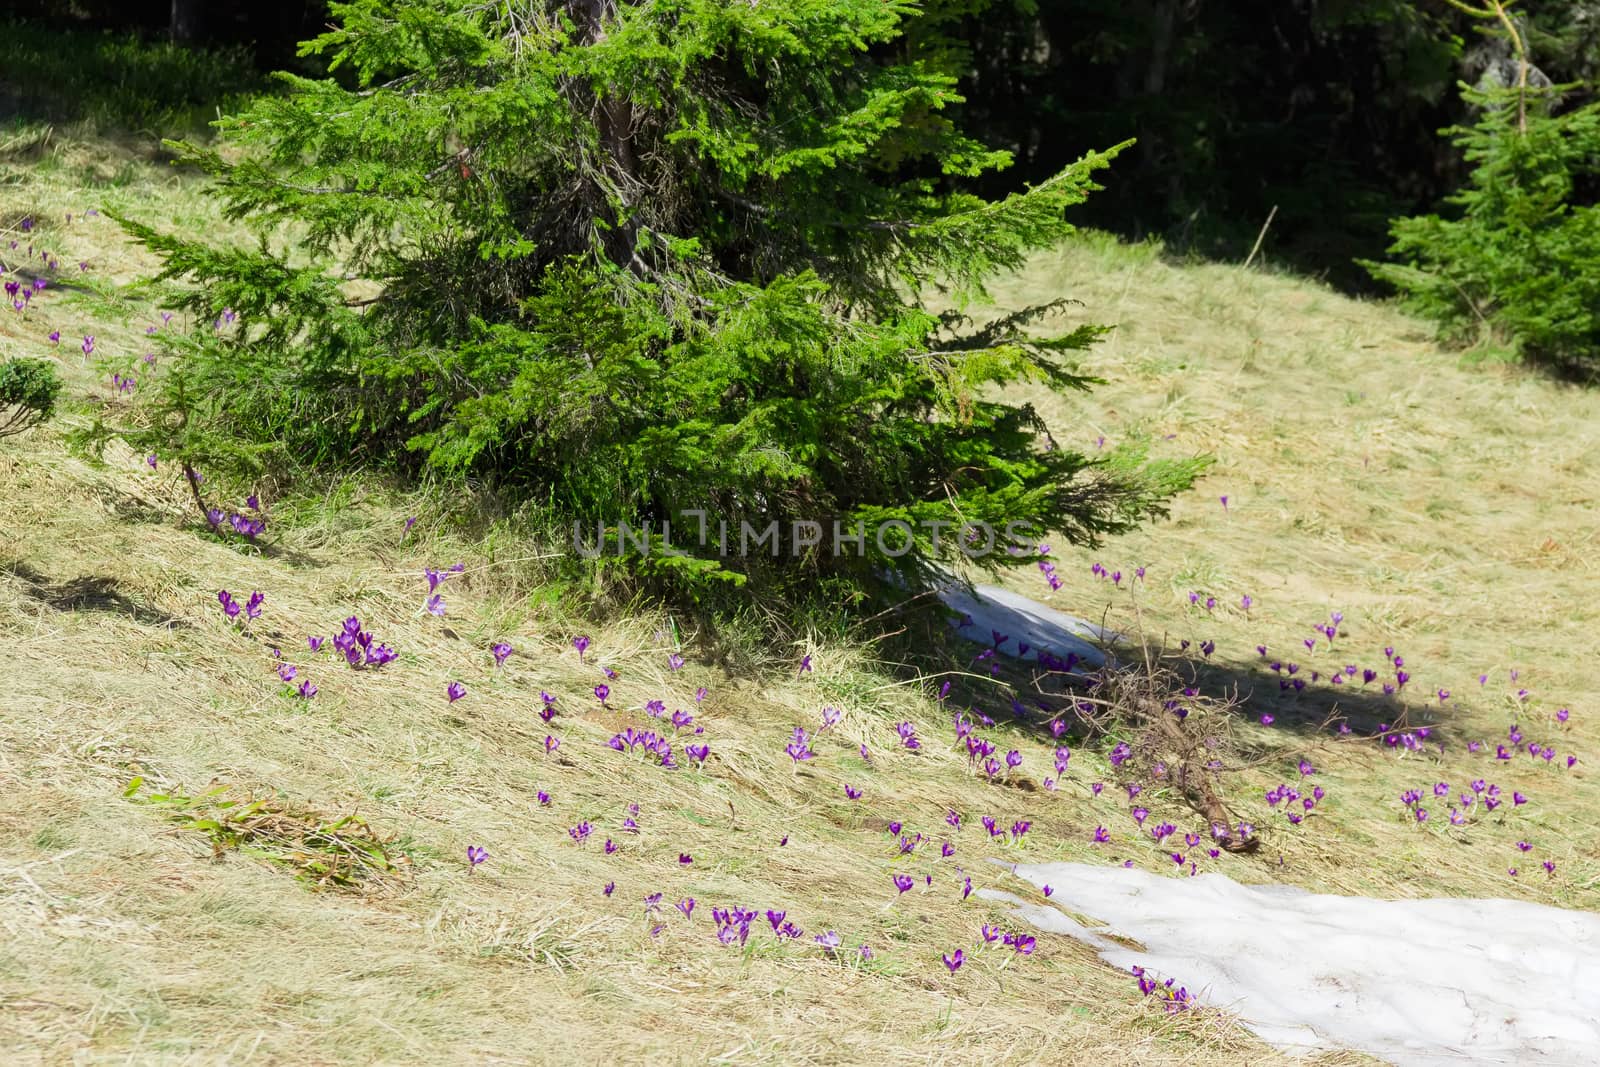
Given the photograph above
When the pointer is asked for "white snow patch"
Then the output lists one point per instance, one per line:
(1026, 621)
(1419, 983)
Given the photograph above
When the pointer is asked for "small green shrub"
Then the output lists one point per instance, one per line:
(1518, 265)
(323, 852)
(28, 391)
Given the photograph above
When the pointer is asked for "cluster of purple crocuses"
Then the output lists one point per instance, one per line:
(1173, 999)
(359, 648)
(434, 604)
(248, 526)
(251, 610)
(647, 743)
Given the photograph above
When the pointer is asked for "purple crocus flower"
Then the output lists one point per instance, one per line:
(581, 644)
(686, 905)
(307, 690)
(953, 962)
(799, 748)
(852, 793)
(455, 691)
(903, 882)
(502, 652)
(435, 605)
(476, 854)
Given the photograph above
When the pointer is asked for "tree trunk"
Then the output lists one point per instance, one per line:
(613, 116)
(185, 24)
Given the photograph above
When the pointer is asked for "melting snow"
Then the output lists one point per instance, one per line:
(1027, 621)
(1417, 982)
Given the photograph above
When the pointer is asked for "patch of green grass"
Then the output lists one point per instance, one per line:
(52, 838)
(118, 81)
(326, 853)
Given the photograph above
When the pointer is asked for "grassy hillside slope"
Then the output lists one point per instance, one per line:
(1447, 512)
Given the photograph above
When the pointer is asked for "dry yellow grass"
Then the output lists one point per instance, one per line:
(1446, 511)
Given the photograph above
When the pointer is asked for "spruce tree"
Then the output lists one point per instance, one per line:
(1513, 267)
(635, 258)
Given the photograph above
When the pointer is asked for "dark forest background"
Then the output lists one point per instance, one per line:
(1327, 110)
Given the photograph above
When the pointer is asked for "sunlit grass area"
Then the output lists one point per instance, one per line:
(1444, 512)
